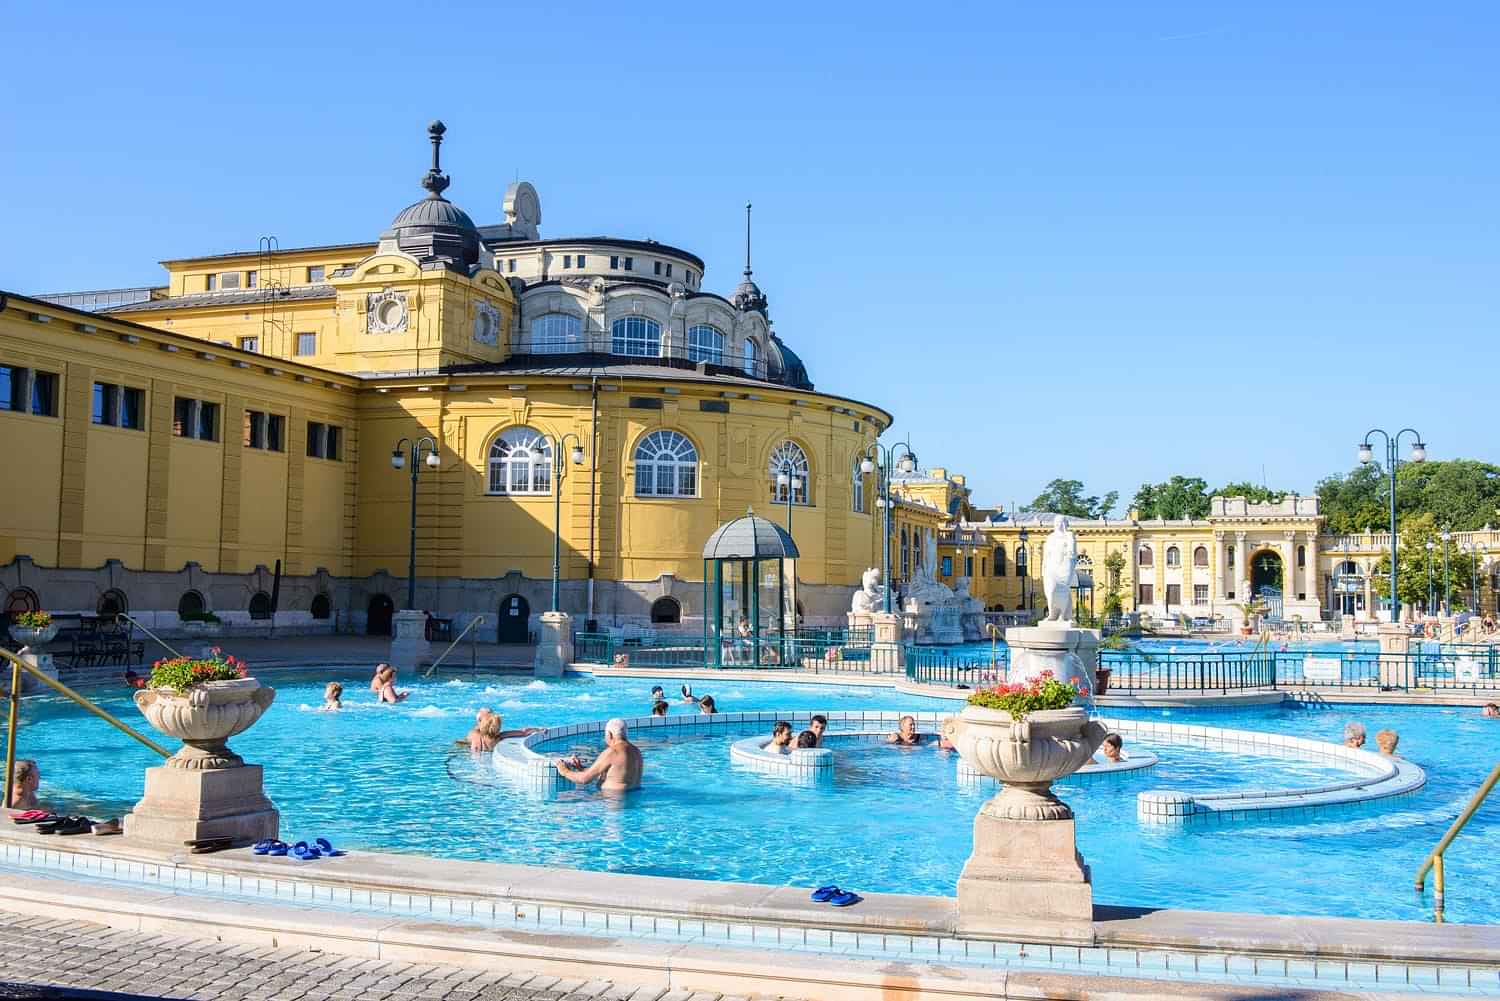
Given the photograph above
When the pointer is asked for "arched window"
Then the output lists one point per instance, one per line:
(1301, 557)
(637, 336)
(751, 357)
(666, 611)
(905, 555)
(706, 343)
(112, 603)
(22, 599)
(190, 604)
(857, 487)
(1143, 557)
(1200, 556)
(999, 557)
(789, 459)
(1174, 558)
(521, 462)
(322, 606)
(666, 465)
(556, 333)
(260, 605)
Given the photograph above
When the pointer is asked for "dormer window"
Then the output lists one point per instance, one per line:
(315, 274)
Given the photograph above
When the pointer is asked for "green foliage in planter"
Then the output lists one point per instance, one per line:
(31, 620)
(1022, 699)
(182, 673)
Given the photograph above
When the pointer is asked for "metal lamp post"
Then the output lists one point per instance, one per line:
(558, 444)
(424, 445)
(882, 459)
(1447, 581)
(1431, 593)
(1024, 565)
(788, 480)
(1475, 551)
(1418, 454)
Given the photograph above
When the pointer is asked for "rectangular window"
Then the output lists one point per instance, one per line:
(275, 433)
(1174, 594)
(307, 344)
(669, 271)
(567, 260)
(614, 262)
(657, 266)
(252, 279)
(195, 419)
(582, 261)
(44, 394)
(334, 449)
(229, 279)
(254, 429)
(645, 403)
(512, 263)
(630, 264)
(208, 421)
(1143, 592)
(315, 273)
(968, 566)
(714, 406)
(250, 344)
(133, 408)
(106, 404)
(1200, 594)
(314, 440)
(211, 282)
(947, 566)
(12, 388)
(182, 417)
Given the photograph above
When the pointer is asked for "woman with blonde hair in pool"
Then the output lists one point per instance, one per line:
(384, 685)
(491, 730)
(23, 793)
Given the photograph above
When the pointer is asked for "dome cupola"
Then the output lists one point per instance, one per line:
(434, 229)
(747, 295)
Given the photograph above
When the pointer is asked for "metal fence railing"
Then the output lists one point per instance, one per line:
(1197, 671)
(938, 666)
(817, 650)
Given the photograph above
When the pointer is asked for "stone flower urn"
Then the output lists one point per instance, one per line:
(205, 717)
(34, 636)
(1027, 756)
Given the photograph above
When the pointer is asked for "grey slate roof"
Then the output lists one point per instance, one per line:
(750, 538)
(233, 297)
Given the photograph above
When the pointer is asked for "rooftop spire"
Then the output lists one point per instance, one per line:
(747, 239)
(435, 181)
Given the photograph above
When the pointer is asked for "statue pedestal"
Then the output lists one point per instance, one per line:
(1072, 655)
(43, 663)
(887, 652)
(554, 647)
(1025, 881)
(1395, 644)
(185, 804)
(861, 620)
(409, 643)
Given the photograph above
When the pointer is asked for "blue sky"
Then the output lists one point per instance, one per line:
(1097, 240)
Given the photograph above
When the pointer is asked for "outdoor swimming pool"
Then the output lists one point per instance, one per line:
(389, 778)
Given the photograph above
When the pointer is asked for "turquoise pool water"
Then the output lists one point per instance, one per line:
(389, 778)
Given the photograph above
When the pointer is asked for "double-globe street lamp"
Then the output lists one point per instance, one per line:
(1447, 580)
(1418, 454)
(789, 481)
(1431, 593)
(1476, 553)
(421, 446)
(882, 458)
(558, 444)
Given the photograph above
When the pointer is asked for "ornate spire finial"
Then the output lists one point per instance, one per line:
(435, 181)
(747, 239)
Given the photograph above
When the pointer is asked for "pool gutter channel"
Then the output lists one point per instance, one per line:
(505, 885)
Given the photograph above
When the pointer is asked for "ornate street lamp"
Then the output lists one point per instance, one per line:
(424, 445)
(788, 480)
(1431, 594)
(1023, 564)
(1418, 454)
(882, 459)
(1447, 581)
(558, 444)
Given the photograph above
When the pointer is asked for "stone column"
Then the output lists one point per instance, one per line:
(409, 643)
(1216, 588)
(1241, 568)
(1314, 580)
(554, 648)
(887, 652)
(1395, 643)
(1289, 569)
(1159, 573)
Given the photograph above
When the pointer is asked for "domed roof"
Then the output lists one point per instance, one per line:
(750, 538)
(748, 297)
(434, 229)
(787, 367)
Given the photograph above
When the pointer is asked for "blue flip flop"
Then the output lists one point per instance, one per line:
(823, 894)
(845, 899)
(325, 846)
(303, 853)
(269, 846)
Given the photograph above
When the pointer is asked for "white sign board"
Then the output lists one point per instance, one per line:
(1321, 669)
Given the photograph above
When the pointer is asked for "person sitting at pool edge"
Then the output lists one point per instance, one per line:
(706, 705)
(807, 739)
(1110, 748)
(816, 727)
(1491, 711)
(1354, 735)
(781, 737)
(333, 698)
(616, 770)
(906, 734)
(1387, 740)
(659, 707)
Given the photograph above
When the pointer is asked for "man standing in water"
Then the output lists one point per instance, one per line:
(616, 770)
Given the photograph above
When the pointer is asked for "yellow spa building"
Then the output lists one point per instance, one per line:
(173, 443)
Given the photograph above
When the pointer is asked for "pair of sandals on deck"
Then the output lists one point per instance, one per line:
(301, 851)
(831, 894)
(47, 822)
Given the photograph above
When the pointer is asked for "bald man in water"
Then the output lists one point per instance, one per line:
(616, 770)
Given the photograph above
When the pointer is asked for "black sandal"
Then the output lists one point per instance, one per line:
(67, 825)
(206, 846)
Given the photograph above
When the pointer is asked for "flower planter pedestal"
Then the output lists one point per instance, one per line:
(205, 790)
(409, 643)
(554, 648)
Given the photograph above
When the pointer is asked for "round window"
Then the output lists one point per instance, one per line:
(389, 313)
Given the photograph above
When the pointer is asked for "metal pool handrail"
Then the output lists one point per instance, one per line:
(137, 622)
(17, 665)
(1435, 858)
(478, 619)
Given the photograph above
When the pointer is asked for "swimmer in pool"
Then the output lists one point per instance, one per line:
(816, 727)
(333, 698)
(807, 739)
(688, 696)
(906, 734)
(781, 738)
(384, 685)
(659, 707)
(616, 770)
(1111, 748)
(491, 731)
(658, 693)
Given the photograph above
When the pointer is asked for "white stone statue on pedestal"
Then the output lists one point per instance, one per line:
(970, 611)
(1059, 573)
(871, 595)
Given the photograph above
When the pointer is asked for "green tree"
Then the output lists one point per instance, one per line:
(1356, 501)
(1254, 493)
(1179, 498)
(1412, 563)
(1066, 497)
(1462, 495)
(1114, 570)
